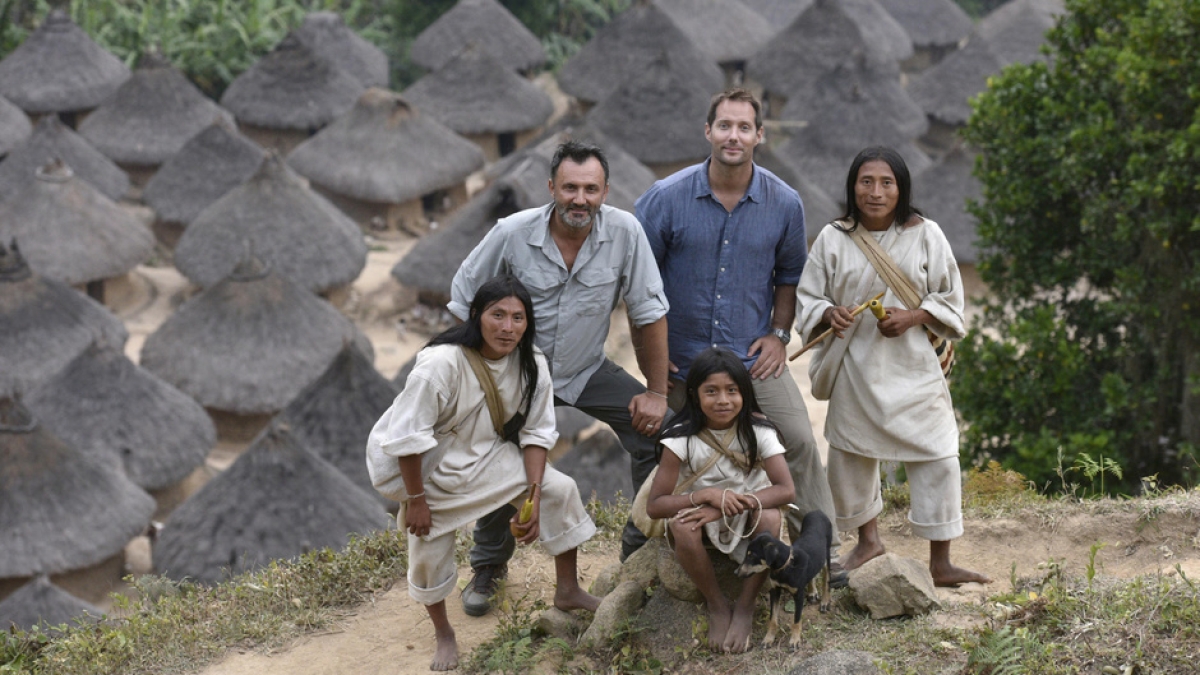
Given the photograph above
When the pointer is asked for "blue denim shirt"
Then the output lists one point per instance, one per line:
(720, 268)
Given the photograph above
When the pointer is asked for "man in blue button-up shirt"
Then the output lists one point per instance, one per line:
(729, 239)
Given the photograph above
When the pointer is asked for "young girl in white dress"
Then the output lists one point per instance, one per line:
(737, 495)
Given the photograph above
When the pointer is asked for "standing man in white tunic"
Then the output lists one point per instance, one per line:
(579, 258)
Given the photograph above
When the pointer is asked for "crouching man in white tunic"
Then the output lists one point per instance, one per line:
(463, 439)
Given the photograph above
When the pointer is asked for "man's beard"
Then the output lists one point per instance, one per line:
(564, 215)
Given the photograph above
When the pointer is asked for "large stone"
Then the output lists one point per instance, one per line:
(677, 582)
(557, 623)
(890, 586)
(668, 625)
(615, 609)
(838, 663)
(607, 580)
(642, 565)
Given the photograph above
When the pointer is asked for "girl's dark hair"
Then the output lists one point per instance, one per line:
(904, 207)
(690, 420)
(469, 333)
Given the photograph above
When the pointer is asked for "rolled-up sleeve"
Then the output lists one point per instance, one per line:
(407, 427)
(643, 294)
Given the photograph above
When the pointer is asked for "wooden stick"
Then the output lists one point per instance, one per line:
(817, 340)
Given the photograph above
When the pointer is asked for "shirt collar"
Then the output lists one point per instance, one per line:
(702, 188)
(539, 236)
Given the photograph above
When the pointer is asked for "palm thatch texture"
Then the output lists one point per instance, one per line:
(326, 34)
(151, 116)
(70, 231)
(725, 30)
(40, 602)
(292, 87)
(386, 151)
(930, 23)
(51, 140)
(1017, 29)
(944, 91)
(629, 45)
(15, 127)
(60, 69)
(879, 28)
(105, 406)
(209, 165)
(473, 94)
(779, 13)
(486, 23)
(942, 191)
(294, 230)
(63, 510)
(249, 344)
(277, 501)
(44, 324)
(334, 415)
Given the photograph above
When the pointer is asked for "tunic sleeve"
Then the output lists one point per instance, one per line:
(407, 428)
(944, 295)
(813, 296)
(768, 442)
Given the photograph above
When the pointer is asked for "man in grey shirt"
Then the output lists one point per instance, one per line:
(579, 258)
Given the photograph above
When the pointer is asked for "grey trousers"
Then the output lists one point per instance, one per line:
(782, 403)
(606, 398)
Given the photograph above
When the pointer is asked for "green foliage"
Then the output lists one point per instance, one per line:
(1090, 234)
(515, 647)
(997, 653)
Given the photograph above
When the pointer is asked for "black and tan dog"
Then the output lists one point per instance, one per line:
(793, 568)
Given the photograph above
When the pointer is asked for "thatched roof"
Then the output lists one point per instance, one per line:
(209, 165)
(930, 23)
(63, 510)
(15, 127)
(70, 231)
(657, 116)
(277, 501)
(249, 344)
(334, 415)
(385, 150)
(779, 13)
(486, 23)
(104, 405)
(628, 45)
(51, 139)
(820, 207)
(151, 116)
(296, 231)
(40, 602)
(326, 34)
(59, 69)
(1017, 29)
(879, 28)
(943, 90)
(518, 182)
(44, 324)
(941, 192)
(292, 87)
(725, 30)
(473, 94)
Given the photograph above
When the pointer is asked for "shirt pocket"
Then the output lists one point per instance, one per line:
(597, 290)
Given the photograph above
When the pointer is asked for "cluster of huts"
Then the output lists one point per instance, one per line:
(262, 200)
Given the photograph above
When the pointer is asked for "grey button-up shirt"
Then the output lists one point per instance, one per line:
(571, 309)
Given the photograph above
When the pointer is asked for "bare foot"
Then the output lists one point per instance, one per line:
(445, 657)
(863, 551)
(718, 626)
(576, 598)
(951, 576)
(737, 639)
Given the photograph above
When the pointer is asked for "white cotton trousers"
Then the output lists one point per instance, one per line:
(935, 494)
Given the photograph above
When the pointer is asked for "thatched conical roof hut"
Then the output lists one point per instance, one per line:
(250, 343)
(58, 68)
(941, 192)
(44, 324)
(51, 140)
(779, 13)
(334, 415)
(294, 230)
(40, 602)
(627, 46)
(209, 165)
(1017, 29)
(293, 88)
(327, 35)
(104, 405)
(277, 501)
(934, 24)
(727, 31)
(63, 510)
(944, 90)
(15, 127)
(70, 231)
(486, 23)
(151, 116)
(387, 152)
(879, 28)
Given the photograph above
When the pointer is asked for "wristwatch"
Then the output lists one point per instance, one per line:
(784, 335)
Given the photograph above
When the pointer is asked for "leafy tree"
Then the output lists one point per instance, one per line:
(1090, 231)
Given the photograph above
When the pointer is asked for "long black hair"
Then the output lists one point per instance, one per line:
(690, 420)
(469, 333)
(904, 206)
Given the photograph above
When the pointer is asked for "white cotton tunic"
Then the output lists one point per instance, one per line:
(694, 454)
(888, 399)
(467, 471)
